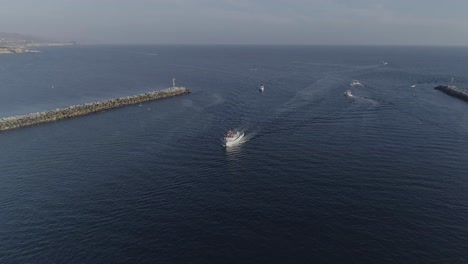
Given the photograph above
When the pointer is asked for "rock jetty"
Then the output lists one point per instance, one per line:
(88, 108)
(454, 91)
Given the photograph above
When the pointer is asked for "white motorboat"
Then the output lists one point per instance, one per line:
(348, 93)
(232, 138)
(262, 88)
(414, 85)
(355, 83)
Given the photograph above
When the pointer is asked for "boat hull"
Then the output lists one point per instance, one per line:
(229, 142)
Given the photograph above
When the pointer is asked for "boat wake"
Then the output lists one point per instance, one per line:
(318, 94)
(200, 101)
(365, 100)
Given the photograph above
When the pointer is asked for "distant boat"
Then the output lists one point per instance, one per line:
(140, 105)
(262, 88)
(355, 83)
(385, 63)
(414, 85)
(348, 93)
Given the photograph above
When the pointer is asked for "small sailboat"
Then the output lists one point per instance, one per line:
(262, 88)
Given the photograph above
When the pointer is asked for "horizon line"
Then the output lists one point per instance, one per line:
(269, 44)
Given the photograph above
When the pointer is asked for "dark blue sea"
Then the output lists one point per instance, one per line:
(381, 177)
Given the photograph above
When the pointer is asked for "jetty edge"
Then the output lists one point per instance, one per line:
(454, 91)
(87, 108)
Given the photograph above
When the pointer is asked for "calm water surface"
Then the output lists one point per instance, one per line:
(321, 178)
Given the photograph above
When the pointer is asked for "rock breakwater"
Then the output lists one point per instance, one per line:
(88, 108)
(454, 91)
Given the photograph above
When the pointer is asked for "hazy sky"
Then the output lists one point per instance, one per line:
(415, 22)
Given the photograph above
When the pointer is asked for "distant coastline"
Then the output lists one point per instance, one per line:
(11, 43)
(25, 49)
(16, 50)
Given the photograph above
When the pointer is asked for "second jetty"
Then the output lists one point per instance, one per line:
(454, 91)
(84, 109)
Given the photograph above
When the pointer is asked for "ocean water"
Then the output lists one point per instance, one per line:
(381, 177)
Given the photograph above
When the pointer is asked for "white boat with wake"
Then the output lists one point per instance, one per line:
(232, 138)
(348, 93)
(355, 83)
(262, 88)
